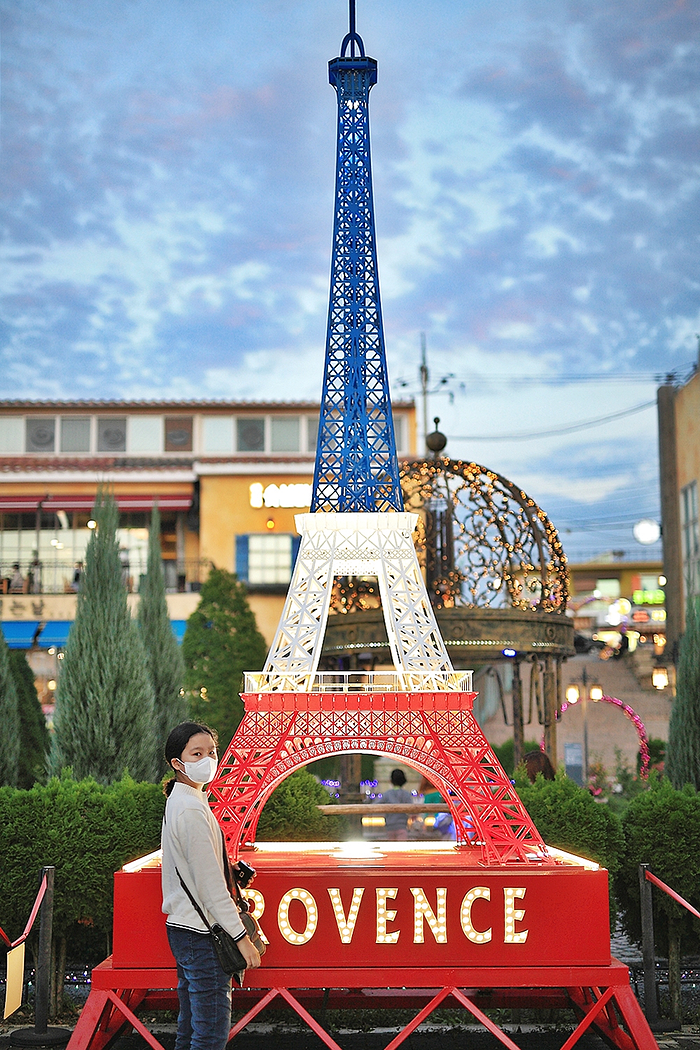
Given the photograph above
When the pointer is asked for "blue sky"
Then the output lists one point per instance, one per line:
(166, 182)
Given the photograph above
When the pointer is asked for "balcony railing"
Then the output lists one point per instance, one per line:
(62, 576)
(359, 682)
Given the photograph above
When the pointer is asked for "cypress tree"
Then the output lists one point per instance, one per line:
(103, 723)
(221, 642)
(34, 733)
(9, 720)
(165, 664)
(683, 754)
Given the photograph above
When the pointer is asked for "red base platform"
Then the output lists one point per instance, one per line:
(386, 926)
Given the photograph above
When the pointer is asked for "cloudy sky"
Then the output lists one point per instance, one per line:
(166, 202)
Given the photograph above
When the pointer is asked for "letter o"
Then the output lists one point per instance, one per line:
(287, 931)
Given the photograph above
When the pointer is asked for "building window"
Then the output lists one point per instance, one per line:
(265, 559)
(145, 434)
(284, 435)
(217, 434)
(11, 434)
(111, 434)
(250, 434)
(75, 434)
(400, 433)
(311, 433)
(178, 433)
(41, 434)
(689, 532)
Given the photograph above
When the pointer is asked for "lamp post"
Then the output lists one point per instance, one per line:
(573, 695)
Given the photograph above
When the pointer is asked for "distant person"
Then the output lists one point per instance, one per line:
(35, 575)
(77, 577)
(16, 580)
(538, 762)
(396, 824)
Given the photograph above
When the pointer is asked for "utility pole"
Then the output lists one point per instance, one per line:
(424, 379)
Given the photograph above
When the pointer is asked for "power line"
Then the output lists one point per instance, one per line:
(572, 429)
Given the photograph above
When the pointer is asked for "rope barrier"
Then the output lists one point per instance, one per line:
(30, 920)
(672, 893)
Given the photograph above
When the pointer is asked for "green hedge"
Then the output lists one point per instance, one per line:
(567, 816)
(87, 831)
(662, 829)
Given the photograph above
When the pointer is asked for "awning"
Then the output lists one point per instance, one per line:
(124, 502)
(178, 627)
(55, 633)
(85, 502)
(19, 634)
(19, 504)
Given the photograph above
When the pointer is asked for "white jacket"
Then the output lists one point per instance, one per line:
(192, 843)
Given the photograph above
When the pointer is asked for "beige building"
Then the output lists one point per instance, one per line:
(228, 478)
(679, 466)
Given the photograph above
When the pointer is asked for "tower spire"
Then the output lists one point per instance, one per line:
(356, 464)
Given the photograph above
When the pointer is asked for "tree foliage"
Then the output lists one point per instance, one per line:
(103, 720)
(567, 816)
(165, 664)
(87, 831)
(34, 734)
(221, 642)
(683, 756)
(291, 814)
(662, 829)
(9, 719)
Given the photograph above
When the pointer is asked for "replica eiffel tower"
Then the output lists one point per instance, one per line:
(421, 713)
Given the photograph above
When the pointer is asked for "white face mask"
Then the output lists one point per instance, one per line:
(202, 771)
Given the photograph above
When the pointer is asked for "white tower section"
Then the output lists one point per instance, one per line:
(366, 544)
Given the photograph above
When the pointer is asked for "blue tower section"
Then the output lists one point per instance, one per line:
(356, 464)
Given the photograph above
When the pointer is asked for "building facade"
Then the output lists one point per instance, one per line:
(228, 478)
(679, 468)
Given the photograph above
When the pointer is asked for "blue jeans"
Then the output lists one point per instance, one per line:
(204, 991)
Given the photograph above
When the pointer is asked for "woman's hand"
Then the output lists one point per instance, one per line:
(249, 952)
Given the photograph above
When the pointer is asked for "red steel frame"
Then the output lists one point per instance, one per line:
(438, 735)
(435, 732)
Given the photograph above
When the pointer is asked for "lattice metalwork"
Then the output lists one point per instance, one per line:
(356, 465)
(336, 545)
(435, 733)
(481, 540)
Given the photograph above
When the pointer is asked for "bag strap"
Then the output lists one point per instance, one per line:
(231, 882)
(194, 902)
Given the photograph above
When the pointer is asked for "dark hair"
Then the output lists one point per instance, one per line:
(177, 742)
(538, 762)
(398, 777)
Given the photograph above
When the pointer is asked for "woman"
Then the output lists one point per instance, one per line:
(193, 846)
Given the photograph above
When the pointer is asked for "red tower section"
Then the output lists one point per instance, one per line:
(435, 732)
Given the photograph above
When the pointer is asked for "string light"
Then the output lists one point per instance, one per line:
(512, 915)
(286, 929)
(423, 911)
(465, 915)
(633, 717)
(385, 915)
(256, 898)
(346, 926)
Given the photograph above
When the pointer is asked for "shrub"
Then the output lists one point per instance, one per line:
(290, 814)
(567, 816)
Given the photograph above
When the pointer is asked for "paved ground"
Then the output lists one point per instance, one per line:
(262, 1037)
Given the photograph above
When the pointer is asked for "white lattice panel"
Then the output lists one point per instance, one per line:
(358, 544)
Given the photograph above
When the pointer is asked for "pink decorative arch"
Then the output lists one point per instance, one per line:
(638, 725)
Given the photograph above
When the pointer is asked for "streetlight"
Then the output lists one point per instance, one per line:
(573, 695)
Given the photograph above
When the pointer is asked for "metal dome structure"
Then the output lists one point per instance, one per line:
(482, 541)
(496, 575)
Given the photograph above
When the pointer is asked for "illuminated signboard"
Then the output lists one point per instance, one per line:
(401, 910)
(280, 495)
(656, 597)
